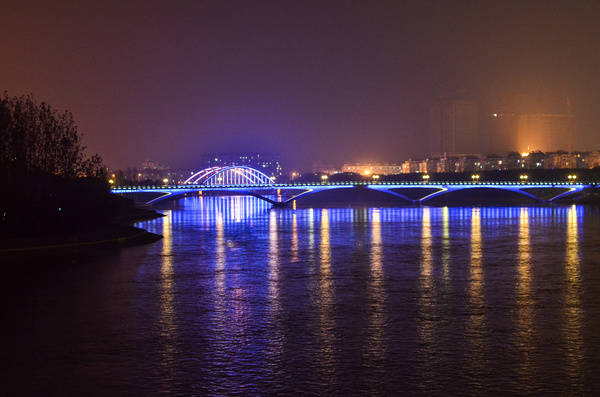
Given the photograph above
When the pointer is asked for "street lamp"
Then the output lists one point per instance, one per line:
(523, 178)
(475, 178)
(426, 178)
(572, 178)
(324, 178)
(376, 177)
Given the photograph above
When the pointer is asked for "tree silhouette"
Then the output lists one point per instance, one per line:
(35, 137)
(47, 185)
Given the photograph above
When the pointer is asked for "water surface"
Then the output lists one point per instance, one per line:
(239, 299)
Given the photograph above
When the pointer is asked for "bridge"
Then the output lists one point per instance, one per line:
(248, 181)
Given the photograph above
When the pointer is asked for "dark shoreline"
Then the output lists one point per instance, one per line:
(119, 235)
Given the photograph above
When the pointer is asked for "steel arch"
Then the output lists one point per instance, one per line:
(234, 175)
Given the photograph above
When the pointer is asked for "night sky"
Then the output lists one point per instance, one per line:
(332, 81)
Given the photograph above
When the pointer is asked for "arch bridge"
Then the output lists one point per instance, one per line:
(249, 181)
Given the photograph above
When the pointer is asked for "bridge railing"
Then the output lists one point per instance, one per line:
(359, 183)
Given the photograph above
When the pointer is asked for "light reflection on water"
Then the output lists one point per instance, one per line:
(433, 240)
(325, 303)
(242, 299)
(314, 238)
(375, 348)
(427, 301)
(525, 320)
(168, 329)
(573, 308)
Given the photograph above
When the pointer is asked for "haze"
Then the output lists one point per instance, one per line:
(332, 81)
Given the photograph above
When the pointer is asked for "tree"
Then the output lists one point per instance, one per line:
(35, 137)
(47, 185)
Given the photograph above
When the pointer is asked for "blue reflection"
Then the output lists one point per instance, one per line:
(334, 291)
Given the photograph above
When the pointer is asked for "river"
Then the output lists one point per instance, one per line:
(241, 299)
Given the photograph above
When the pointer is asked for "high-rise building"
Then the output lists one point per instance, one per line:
(454, 128)
(502, 133)
(545, 132)
(269, 163)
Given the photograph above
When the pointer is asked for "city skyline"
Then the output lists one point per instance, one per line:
(331, 82)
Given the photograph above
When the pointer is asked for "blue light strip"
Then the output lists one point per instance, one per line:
(443, 187)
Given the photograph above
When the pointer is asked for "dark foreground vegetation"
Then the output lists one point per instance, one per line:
(34, 203)
(48, 187)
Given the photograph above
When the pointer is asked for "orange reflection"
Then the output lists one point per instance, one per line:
(220, 259)
(294, 238)
(427, 303)
(167, 310)
(311, 240)
(573, 309)
(275, 308)
(476, 271)
(374, 348)
(326, 298)
(325, 249)
(219, 297)
(273, 259)
(426, 247)
(477, 318)
(446, 246)
(524, 301)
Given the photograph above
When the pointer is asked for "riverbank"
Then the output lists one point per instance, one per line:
(118, 235)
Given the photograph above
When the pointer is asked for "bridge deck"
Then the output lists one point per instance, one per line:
(171, 191)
